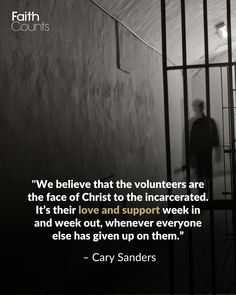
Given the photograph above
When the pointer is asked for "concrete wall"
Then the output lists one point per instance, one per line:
(66, 109)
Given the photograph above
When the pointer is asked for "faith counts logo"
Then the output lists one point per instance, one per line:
(29, 21)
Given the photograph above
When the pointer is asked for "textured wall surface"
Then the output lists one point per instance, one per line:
(66, 109)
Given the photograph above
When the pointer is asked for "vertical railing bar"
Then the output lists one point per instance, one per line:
(186, 133)
(223, 143)
(230, 131)
(223, 126)
(207, 84)
(234, 80)
(234, 189)
(167, 132)
(232, 125)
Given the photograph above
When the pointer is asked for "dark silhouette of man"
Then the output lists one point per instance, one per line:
(203, 138)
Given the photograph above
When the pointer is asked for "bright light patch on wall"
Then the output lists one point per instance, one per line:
(221, 31)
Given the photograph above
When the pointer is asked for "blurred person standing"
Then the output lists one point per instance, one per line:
(204, 138)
